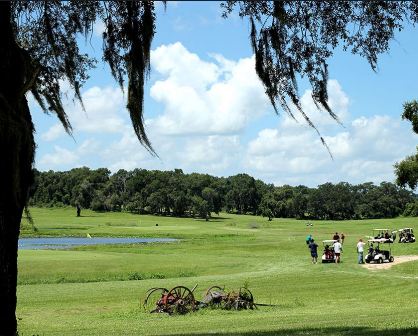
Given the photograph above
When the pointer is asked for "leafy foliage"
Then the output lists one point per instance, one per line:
(295, 39)
(410, 112)
(407, 170)
(48, 31)
(173, 193)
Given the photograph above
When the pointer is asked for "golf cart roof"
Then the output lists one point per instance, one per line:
(405, 229)
(332, 241)
(381, 240)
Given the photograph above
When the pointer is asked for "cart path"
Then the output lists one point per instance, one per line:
(398, 260)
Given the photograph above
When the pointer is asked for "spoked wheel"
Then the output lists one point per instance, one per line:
(154, 299)
(180, 300)
(214, 289)
(246, 298)
(214, 296)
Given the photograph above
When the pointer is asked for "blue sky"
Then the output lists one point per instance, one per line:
(206, 111)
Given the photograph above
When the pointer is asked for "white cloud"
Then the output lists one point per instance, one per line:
(200, 97)
(53, 133)
(338, 101)
(204, 126)
(211, 154)
(60, 157)
(104, 108)
(364, 151)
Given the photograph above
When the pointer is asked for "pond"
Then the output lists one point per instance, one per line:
(69, 242)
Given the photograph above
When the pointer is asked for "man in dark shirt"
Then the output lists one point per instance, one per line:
(313, 247)
(336, 236)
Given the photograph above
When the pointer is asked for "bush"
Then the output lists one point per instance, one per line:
(411, 209)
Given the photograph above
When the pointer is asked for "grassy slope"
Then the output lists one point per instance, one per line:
(80, 292)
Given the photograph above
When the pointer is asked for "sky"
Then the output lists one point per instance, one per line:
(206, 110)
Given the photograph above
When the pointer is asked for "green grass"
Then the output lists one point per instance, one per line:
(97, 290)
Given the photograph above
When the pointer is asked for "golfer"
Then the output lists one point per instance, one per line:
(360, 250)
(314, 251)
(338, 248)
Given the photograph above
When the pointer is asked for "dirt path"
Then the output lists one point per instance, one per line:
(398, 260)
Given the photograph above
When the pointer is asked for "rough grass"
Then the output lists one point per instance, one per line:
(97, 290)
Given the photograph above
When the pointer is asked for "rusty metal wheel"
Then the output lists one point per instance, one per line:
(180, 300)
(153, 299)
(214, 296)
(215, 289)
(246, 298)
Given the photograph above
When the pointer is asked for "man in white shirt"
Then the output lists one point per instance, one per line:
(337, 250)
(360, 250)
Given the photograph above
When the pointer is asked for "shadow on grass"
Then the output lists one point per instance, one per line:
(337, 331)
(212, 219)
(209, 221)
(99, 214)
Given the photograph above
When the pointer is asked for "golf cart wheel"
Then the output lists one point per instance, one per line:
(391, 259)
(380, 261)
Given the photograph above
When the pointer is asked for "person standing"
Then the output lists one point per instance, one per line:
(336, 236)
(308, 239)
(342, 238)
(78, 210)
(314, 251)
(360, 250)
(338, 248)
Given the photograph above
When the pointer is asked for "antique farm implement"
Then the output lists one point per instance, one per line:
(216, 296)
(180, 299)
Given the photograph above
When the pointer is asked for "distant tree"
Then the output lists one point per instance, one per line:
(136, 204)
(407, 170)
(267, 206)
(200, 207)
(243, 196)
(155, 202)
(411, 209)
(300, 202)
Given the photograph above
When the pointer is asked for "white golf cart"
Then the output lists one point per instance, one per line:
(406, 235)
(376, 254)
(386, 234)
(328, 255)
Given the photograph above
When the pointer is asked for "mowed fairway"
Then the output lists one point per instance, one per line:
(97, 290)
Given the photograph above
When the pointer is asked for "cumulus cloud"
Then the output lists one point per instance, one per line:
(338, 101)
(206, 124)
(54, 132)
(62, 158)
(104, 108)
(364, 150)
(125, 153)
(211, 154)
(200, 97)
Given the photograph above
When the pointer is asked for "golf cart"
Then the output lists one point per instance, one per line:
(328, 256)
(377, 255)
(406, 235)
(386, 234)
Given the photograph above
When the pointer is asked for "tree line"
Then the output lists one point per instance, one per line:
(174, 193)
